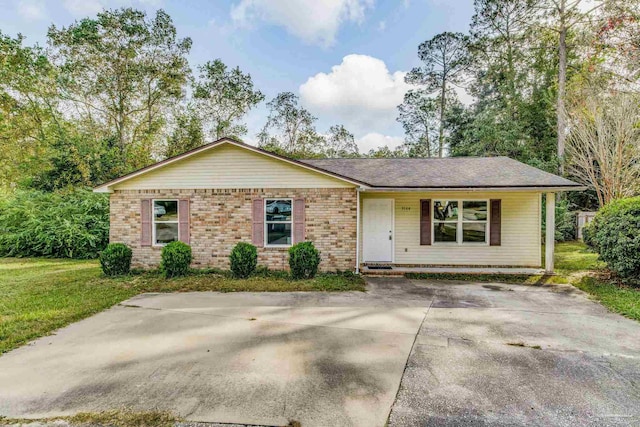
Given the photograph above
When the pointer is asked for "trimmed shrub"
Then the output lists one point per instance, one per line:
(587, 236)
(115, 260)
(243, 260)
(62, 224)
(304, 259)
(176, 258)
(615, 234)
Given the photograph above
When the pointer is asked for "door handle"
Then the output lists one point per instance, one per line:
(390, 236)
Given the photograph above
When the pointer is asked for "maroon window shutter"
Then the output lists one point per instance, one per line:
(257, 229)
(145, 217)
(298, 221)
(183, 221)
(425, 222)
(495, 223)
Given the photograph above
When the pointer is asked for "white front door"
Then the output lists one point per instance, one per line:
(377, 230)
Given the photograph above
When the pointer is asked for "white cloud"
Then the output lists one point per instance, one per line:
(32, 10)
(382, 25)
(313, 21)
(83, 8)
(463, 96)
(360, 92)
(375, 140)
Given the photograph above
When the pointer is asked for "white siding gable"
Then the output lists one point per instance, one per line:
(230, 166)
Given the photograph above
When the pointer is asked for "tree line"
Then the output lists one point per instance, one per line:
(554, 84)
(115, 92)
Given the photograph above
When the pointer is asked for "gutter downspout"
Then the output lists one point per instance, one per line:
(358, 230)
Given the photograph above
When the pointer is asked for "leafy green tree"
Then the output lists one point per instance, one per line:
(445, 62)
(75, 160)
(339, 142)
(419, 117)
(120, 72)
(29, 117)
(499, 35)
(293, 128)
(613, 53)
(223, 97)
(187, 133)
(562, 17)
(513, 65)
(385, 152)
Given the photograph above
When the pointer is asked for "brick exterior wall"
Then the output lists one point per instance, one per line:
(221, 218)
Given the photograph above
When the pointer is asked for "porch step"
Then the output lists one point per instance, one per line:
(399, 270)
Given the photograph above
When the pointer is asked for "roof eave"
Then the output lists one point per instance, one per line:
(473, 189)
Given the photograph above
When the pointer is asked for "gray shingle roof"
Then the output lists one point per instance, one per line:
(451, 172)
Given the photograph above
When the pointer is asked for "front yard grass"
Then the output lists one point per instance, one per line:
(38, 296)
(115, 418)
(581, 268)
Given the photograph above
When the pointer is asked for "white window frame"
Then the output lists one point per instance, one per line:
(459, 223)
(153, 219)
(266, 223)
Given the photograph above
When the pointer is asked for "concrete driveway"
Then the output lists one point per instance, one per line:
(440, 353)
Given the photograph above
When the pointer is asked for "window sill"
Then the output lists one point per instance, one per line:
(454, 244)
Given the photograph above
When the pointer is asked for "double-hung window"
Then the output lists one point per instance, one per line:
(460, 221)
(278, 222)
(165, 222)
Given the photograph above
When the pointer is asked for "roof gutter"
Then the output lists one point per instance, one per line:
(471, 189)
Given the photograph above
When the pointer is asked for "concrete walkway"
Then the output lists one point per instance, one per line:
(440, 353)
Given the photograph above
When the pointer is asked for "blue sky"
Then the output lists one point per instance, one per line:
(345, 58)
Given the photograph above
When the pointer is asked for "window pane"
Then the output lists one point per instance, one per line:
(445, 232)
(278, 234)
(445, 210)
(474, 232)
(166, 232)
(474, 211)
(278, 210)
(165, 210)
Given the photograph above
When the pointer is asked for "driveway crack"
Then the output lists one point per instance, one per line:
(406, 363)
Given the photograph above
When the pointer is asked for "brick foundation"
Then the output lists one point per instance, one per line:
(221, 218)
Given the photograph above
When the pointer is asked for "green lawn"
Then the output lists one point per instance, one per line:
(583, 270)
(575, 256)
(38, 296)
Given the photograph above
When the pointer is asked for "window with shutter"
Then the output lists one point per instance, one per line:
(166, 222)
(278, 222)
(145, 219)
(460, 221)
(183, 221)
(495, 238)
(257, 224)
(425, 222)
(298, 221)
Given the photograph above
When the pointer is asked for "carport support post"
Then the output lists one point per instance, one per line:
(550, 234)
